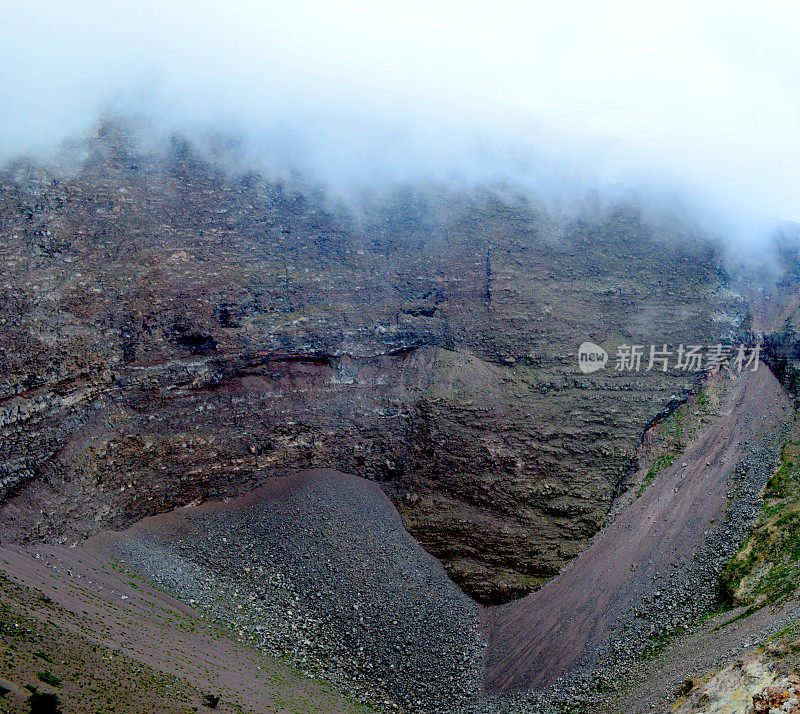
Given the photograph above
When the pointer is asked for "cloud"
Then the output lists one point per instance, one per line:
(699, 100)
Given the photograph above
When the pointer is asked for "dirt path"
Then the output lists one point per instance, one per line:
(534, 641)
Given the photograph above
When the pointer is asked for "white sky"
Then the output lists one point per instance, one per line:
(703, 97)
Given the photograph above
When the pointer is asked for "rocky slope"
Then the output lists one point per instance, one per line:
(318, 569)
(175, 332)
(82, 634)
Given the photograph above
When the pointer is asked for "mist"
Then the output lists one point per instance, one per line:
(673, 104)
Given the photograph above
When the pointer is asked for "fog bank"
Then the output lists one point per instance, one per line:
(667, 103)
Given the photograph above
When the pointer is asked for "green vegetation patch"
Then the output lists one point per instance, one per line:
(676, 431)
(49, 678)
(661, 462)
(766, 570)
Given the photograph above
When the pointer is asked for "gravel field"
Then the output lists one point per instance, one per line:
(318, 568)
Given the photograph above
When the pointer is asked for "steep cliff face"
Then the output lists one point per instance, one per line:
(171, 332)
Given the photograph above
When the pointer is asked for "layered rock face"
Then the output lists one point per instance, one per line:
(172, 332)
